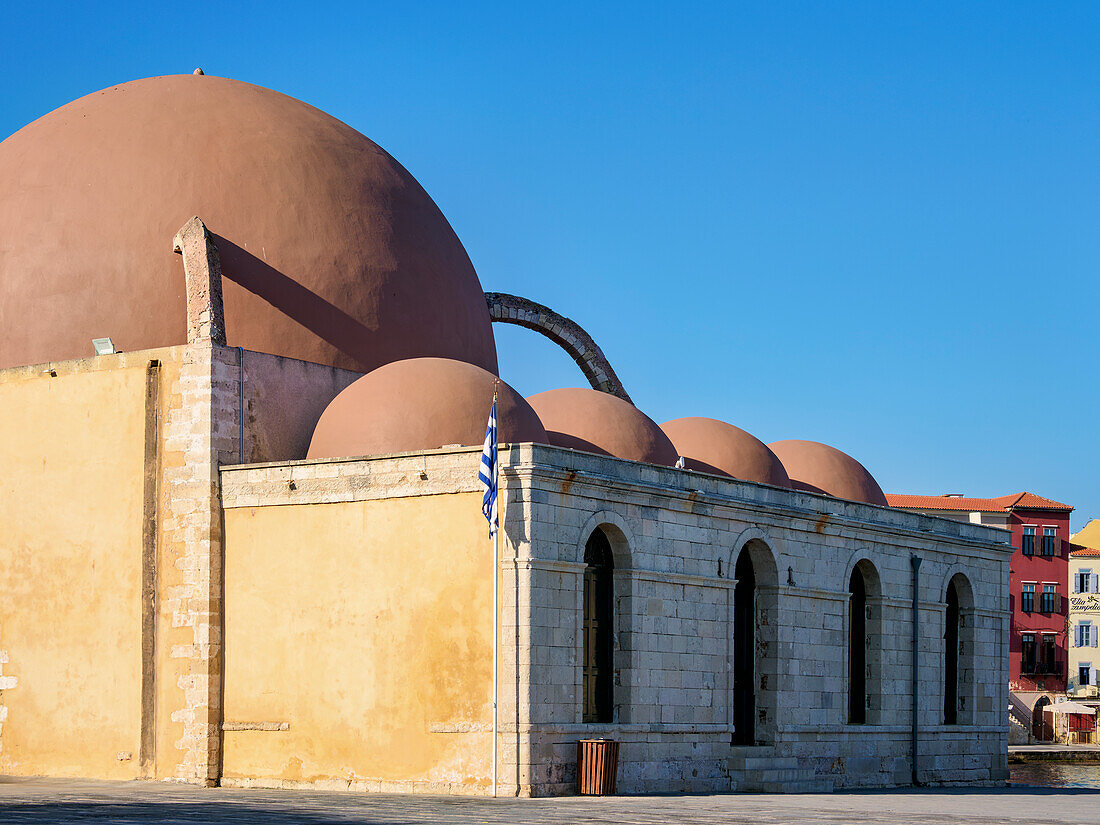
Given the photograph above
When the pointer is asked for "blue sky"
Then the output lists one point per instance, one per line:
(868, 224)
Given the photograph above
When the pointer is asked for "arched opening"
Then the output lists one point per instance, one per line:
(754, 622)
(1039, 728)
(865, 607)
(857, 648)
(744, 651)
(599, 601)
(951, 658)
(958, 647)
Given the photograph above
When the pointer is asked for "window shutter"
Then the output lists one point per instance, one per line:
(1093, 638)
(1092, 676)
(1094, 580)
(1077, 636)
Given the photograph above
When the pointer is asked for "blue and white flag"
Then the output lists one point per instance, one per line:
(487, 474)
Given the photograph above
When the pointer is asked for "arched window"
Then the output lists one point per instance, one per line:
(744, 651)
(857, 648)
(754, 644)
(865, 687)
(599, 595)
(959, 634)
(951, 658)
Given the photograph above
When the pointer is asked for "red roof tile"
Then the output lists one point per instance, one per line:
(1028, 501)
(1085, 552)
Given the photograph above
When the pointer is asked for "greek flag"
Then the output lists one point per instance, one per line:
(487, 474)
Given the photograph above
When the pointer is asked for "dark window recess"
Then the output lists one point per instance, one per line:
(951, 659)
(744, 651)
(1048, 654)
(1027, 598)
(1048, 601)
(1050, 539)
(857, 649)
(1083, 673)
(598, 687)
(1028, 545)
(1028, 654)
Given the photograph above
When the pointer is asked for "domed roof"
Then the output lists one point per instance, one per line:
(713, 446)
(597, 422)
(421, 404)
(820, 468)
(331, 251)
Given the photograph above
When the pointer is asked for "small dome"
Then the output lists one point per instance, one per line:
(597, 422)
(712, 446)
(819, 468)
(331, 251)
(421, 404)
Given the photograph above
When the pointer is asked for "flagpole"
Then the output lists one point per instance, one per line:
(496, 587)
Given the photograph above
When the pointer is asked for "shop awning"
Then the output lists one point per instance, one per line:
(1070, 707)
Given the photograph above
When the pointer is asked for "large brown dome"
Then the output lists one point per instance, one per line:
(820, 468)
(331, 251)
(597, 422)
(421, 404)
(712, 446)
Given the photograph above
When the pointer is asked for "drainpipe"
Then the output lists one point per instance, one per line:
(915, 561)
(240, 403)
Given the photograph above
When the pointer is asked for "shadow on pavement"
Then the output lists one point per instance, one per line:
(173, 813)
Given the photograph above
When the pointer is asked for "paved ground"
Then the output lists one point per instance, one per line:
(1048, 747)
(72, 801)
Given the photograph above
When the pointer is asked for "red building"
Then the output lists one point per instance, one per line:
(1039, 579)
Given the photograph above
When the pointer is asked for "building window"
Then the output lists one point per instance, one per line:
(1050, 538)
(1028, 545)
(598, 649)
(951, 658)
(1084, 672)
(1027, 598)
(1048, 654)
(1049, 600)
(857, 648)
(1084, 635)
(1027, 653)
(1083, 581)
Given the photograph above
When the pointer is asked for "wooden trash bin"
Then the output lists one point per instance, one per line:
(597, 766)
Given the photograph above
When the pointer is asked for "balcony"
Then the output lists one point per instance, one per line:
(1033, 667)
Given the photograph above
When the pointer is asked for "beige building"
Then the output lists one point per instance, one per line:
(1084, 613)
(250, 550)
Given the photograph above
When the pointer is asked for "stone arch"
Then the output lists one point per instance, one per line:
(955, 572)
(621, 538)
(763, 551)
(618, 533)
(567, 334)
(862, 558)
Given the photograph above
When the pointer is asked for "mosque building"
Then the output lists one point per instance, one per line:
(242, 544)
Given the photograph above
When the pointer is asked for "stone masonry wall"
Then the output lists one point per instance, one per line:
(677, 536)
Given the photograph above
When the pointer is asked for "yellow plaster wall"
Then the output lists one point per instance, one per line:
(365, 627)
(71, 494)
(170, 666)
